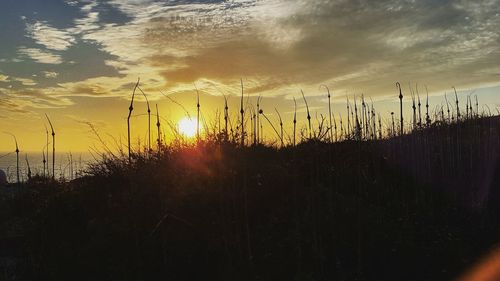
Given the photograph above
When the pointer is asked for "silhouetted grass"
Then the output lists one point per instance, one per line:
(422, 206)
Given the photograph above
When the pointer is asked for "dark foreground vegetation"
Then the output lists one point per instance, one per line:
(423, 206)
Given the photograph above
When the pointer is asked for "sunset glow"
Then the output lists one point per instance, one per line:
(187, 127)
(77, 61)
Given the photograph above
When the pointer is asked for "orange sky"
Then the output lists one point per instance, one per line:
(78, 60)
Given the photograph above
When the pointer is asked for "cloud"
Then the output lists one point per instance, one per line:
(361, 45)
(89, 22)
(4, 78)
(39, 55)
(24, 101)
(72, 3)
(24, 81)
(50, 37)
(36, 98)
(280, 46)
(50, 74)
(10, 106)
(182, 22)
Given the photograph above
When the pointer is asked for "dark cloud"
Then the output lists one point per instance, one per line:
(364, 44)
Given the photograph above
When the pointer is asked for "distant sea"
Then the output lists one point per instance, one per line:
(62, 166)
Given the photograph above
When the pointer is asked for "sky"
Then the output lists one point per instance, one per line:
(78, 60)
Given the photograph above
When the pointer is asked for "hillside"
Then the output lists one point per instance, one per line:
(423, 206)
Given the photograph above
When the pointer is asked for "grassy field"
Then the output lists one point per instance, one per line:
(422, 206)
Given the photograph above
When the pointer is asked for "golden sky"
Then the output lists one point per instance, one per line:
(78, 61)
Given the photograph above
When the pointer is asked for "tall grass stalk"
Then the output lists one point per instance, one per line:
(353, 126)
(281, 127)
(456, 101)
(348, 117)
(45, 160)
(477, 106)
(427, 117)
(308, 114)
(341, 127)
(419, 110)
(158, 127)
(28, 166)
(414, 107)
(379, 126)
(467, 108)
(294, 121)
(130, 109)
(197, 114)
(447, 107)
(398, 85)
(363, 117)
(258, 119)
(335, 127)
(470, 105)
(374, 121)
(329, 110)
(70, 159)
(149, 120)
(226, 117)
(242, 112)
(272, 126)
(17, 158)
(255, 114)
(53, 147)
(393, 125)
(357, 126)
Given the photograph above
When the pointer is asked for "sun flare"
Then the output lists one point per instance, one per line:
(187, 127)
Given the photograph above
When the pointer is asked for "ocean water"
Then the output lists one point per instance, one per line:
(8, 164)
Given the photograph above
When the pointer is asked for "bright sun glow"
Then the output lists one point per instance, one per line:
(187, 127)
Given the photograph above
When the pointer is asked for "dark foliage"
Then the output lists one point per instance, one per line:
(419, 207)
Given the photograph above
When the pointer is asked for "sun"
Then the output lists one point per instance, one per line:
(187, 127)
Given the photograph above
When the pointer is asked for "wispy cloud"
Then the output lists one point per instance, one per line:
(50, 37)
(36, 98)
(50, 74)
(89, 22)
(312, 42)
(277, 45)
(24, 81)
(39, 55)
(71, 3)
(10, 106)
